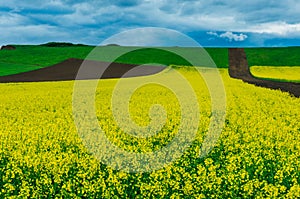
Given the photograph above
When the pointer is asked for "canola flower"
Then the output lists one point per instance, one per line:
(283, 73)
(41, 154)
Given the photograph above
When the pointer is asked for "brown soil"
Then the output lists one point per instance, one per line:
(239, 69)
(67, 70)
(8, 47)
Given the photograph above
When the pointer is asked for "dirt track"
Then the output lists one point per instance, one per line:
(67, 70)
(239, 69)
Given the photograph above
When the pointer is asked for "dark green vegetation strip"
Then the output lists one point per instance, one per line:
(288, 56)
(166, 57)
(27, 58)
(219, 55)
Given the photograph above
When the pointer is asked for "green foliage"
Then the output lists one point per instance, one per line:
(42, 156)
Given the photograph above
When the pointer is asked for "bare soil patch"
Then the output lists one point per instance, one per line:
(239, 69)
(8, 47)
(68, 69)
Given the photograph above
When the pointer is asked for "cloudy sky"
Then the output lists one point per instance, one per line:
(209, 22)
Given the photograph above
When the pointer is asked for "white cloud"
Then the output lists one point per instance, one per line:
(30, 34)
(277, 28)
(12, 19)
(229, 35)
(212, 33)
(234, 37)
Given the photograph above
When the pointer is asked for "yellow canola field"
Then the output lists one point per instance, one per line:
(256, 156)
(284, 73)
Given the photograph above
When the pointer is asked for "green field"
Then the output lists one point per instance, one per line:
(284, 56)
(27, 58)
(41, 154)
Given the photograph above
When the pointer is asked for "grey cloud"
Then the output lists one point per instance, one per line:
(97, 19)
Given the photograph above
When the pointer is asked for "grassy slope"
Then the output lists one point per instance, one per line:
(27, 58)
(288, 56)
